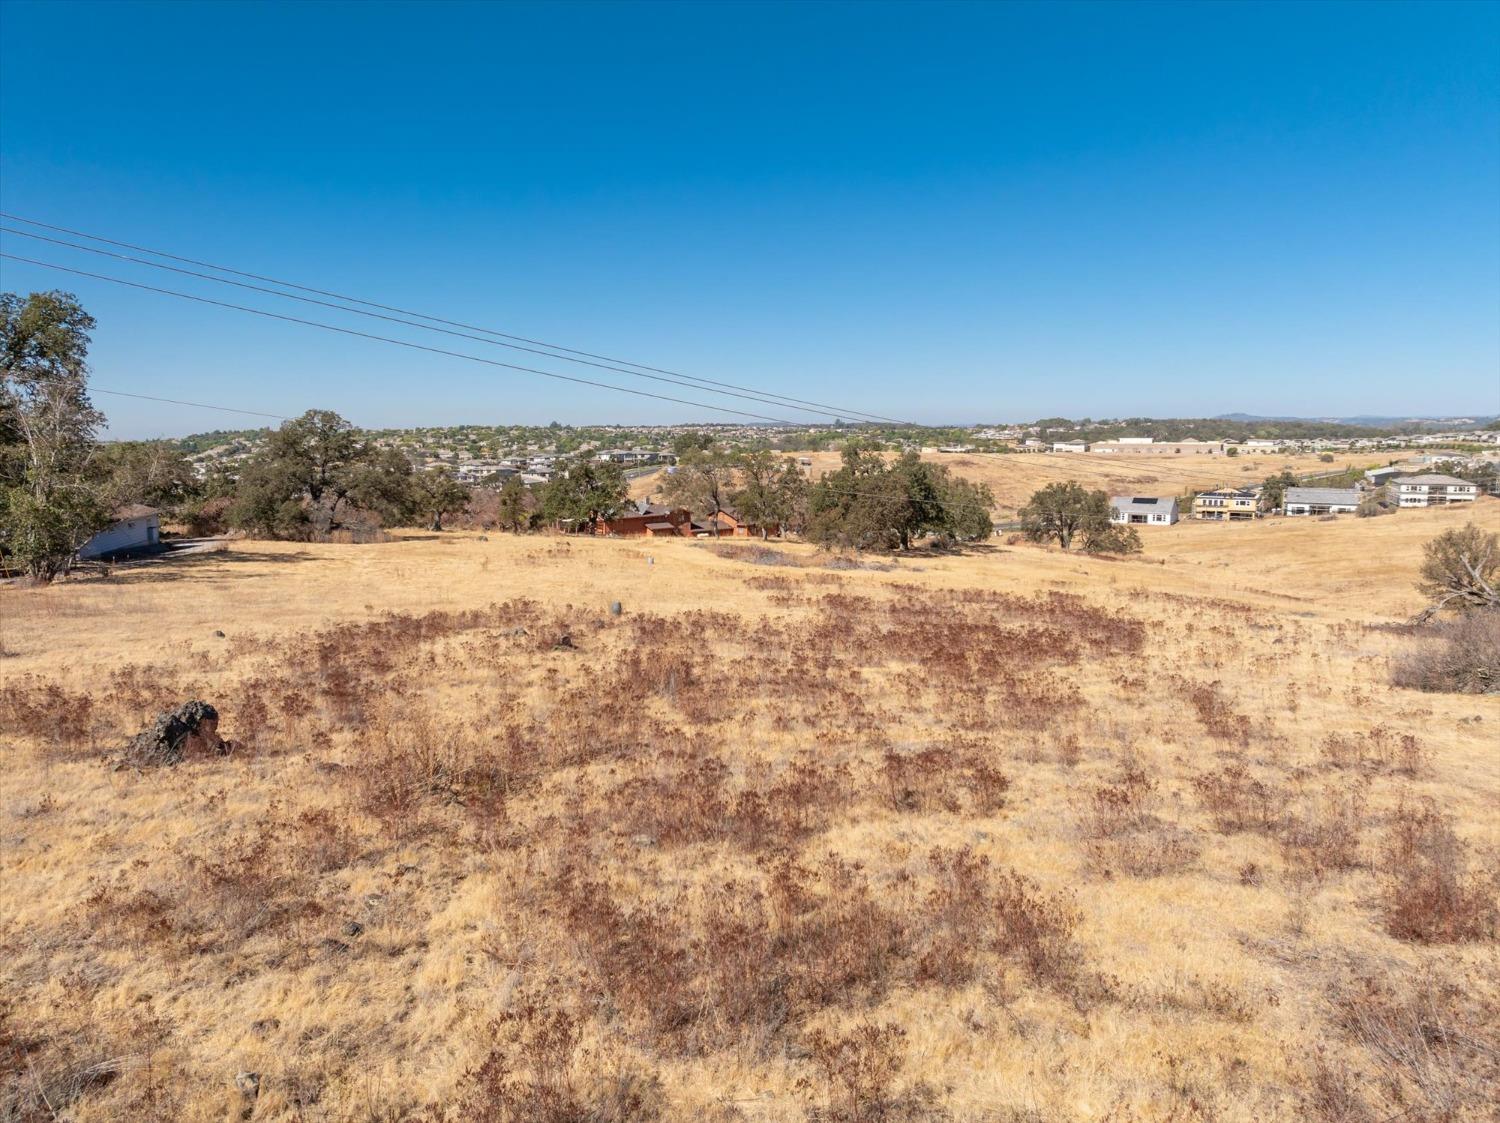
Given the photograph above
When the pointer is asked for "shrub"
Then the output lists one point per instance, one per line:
(1429, 896)
(1433, 1039)
(1461, 656)
(1238, 801)
(1325, 832)
(859, 1066)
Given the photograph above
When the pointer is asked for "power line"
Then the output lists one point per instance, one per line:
(397, 342)
(765, 400)
(701, 382)
(180, 402)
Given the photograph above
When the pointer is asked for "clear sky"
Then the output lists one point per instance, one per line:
(943, 213)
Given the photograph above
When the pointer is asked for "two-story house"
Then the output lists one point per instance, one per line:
(1227, 504)
(1431, 490)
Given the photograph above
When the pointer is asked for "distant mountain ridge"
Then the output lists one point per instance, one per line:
(1368, 421)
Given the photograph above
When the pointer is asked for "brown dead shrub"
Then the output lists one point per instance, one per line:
(1430, 896)
(859, 1066)
(1323, 831)
(1459, 656)
(1237, 800)
(1430, 1042)
(1377, 749)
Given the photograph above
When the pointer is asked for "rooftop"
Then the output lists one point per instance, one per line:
(1432, 480)
(1347, 495)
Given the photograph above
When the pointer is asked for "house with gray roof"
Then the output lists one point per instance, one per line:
(1320, 501)
(1142, 510)
(1432, 490)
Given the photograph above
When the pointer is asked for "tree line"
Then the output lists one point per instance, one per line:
(317, 475)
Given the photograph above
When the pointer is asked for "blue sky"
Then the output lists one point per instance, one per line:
(942, 213)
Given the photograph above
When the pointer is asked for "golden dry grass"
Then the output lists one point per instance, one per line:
(614, 869)
(1014, 476)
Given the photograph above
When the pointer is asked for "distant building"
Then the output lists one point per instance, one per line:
(1227, 504)
(1433, 491)
(1070, 446)
(1260, 445)
(654, 521)
(1320, 501)
(1147, 510)
(1379, 476)
(1145, 446)
(135, 529)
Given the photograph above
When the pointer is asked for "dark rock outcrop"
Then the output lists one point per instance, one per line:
(191, 729)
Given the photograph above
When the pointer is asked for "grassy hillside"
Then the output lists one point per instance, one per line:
(1013, 835)
(1013, 477)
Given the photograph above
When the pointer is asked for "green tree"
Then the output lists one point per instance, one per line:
(685, 443)
(436, 494)
(1111, 538)
(155, 473)
(772, 492)
(1273, 491)
(584, 493)
(50, 503)
(310, 472)
(870, 503)
(702, 481)
(1061, 511)
(513, 508)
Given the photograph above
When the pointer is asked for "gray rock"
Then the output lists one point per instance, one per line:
(353, 928)
(248, 1083)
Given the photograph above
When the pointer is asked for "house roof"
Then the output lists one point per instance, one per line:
(1140, 501)
(660, 526)
(1345, 495)
(1431, 479)
(1237, 492)
(134, 511)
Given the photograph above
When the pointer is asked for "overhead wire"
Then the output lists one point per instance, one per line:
(765, 400)
(562, 352)
(398, 342)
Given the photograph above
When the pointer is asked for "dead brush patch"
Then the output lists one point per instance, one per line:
(1238, 800)
(1430, 896)
(535, 1072)
(695, 800)
(1122, 832)
(742, 961)
(942, 779)
(1428, 1049)
(63, 724)
(1380, 749)
(860, 1065)
(1322, 828)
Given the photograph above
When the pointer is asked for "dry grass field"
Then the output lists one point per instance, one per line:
(1012, 835)
(1014, 476)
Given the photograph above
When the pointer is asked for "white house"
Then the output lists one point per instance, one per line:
(1320, 501)
(1070, 446)
(1142, 509)
(1433, 490)
(134, 528)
